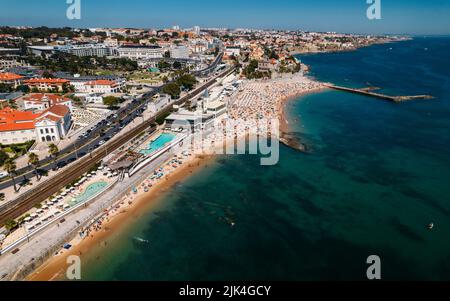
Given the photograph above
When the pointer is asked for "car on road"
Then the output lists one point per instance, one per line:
(61, 164)
(102, 142)
(71, 160)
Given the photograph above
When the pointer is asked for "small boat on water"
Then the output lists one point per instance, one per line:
(431, 226)
(141, 240)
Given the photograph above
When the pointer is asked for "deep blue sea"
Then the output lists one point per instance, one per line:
(378, 173)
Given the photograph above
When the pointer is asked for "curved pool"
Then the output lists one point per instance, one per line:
(90, 191)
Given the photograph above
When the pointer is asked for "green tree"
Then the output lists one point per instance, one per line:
(162, 65)
(4, 88)
(188, 81)
(33, 160)
(10, 168)
(3, 157)
(172, 89)
(47, 74)
(111, 101)
(176, 65)
(23, 88)
(53, 151)
(11, 224)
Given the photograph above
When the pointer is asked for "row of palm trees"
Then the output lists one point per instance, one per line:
(33, 160)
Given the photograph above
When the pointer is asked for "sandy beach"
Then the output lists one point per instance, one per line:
(55, 267)
(257, 100)
(284, 124)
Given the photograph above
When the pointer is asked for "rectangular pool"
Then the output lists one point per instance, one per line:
(159, 143)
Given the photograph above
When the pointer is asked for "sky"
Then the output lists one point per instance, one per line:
(420, 17)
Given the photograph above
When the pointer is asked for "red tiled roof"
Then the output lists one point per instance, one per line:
(39, 97)
(100, 82)
(59, 110)
(55, 113)
(13, 120)
(46, 81)
(9, 76)
(9, 127)
(51, 117)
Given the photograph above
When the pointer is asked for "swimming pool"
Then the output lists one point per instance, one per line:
(159, 143)
(91, 190)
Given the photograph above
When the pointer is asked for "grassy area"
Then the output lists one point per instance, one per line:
(17, 150)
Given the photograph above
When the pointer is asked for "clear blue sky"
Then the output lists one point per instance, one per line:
(398, 16)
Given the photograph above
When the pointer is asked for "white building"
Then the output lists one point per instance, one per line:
(179, 52)
(110, 42)
(140, 52)
(159, 102)
(11, 79)
(101, 87)
(16, 126)
(232, 51)
(90, 50)
(53, 124)
(42, 101)
(22, 126)
(94, 98)
(216, 108)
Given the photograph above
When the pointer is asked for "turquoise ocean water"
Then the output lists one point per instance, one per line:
(377, 175)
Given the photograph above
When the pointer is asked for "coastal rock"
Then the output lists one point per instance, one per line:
(292, 141)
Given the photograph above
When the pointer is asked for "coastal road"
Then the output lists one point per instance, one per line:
(103, 131)
(46, 243)
(47, 188)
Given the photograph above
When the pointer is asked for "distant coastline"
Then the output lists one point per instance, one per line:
(316, 51)
(144, 202)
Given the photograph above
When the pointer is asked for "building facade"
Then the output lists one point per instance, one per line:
(21, 126)
(90, 50)
(16, 126)
(11, 79)
(179, 52)
(140, 52)
(42, 101)
(53, 124)
(45, 84)
(101, 87)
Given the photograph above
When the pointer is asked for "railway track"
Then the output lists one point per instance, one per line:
(51, 186)
(46, 189)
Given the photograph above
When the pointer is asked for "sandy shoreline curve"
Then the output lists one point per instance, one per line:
(142, 203)
(55, 267)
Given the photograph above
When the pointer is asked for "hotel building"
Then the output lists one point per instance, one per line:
(140, 52)
(44, 84)
(11, 79)
(37, 102)
(100, 86)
